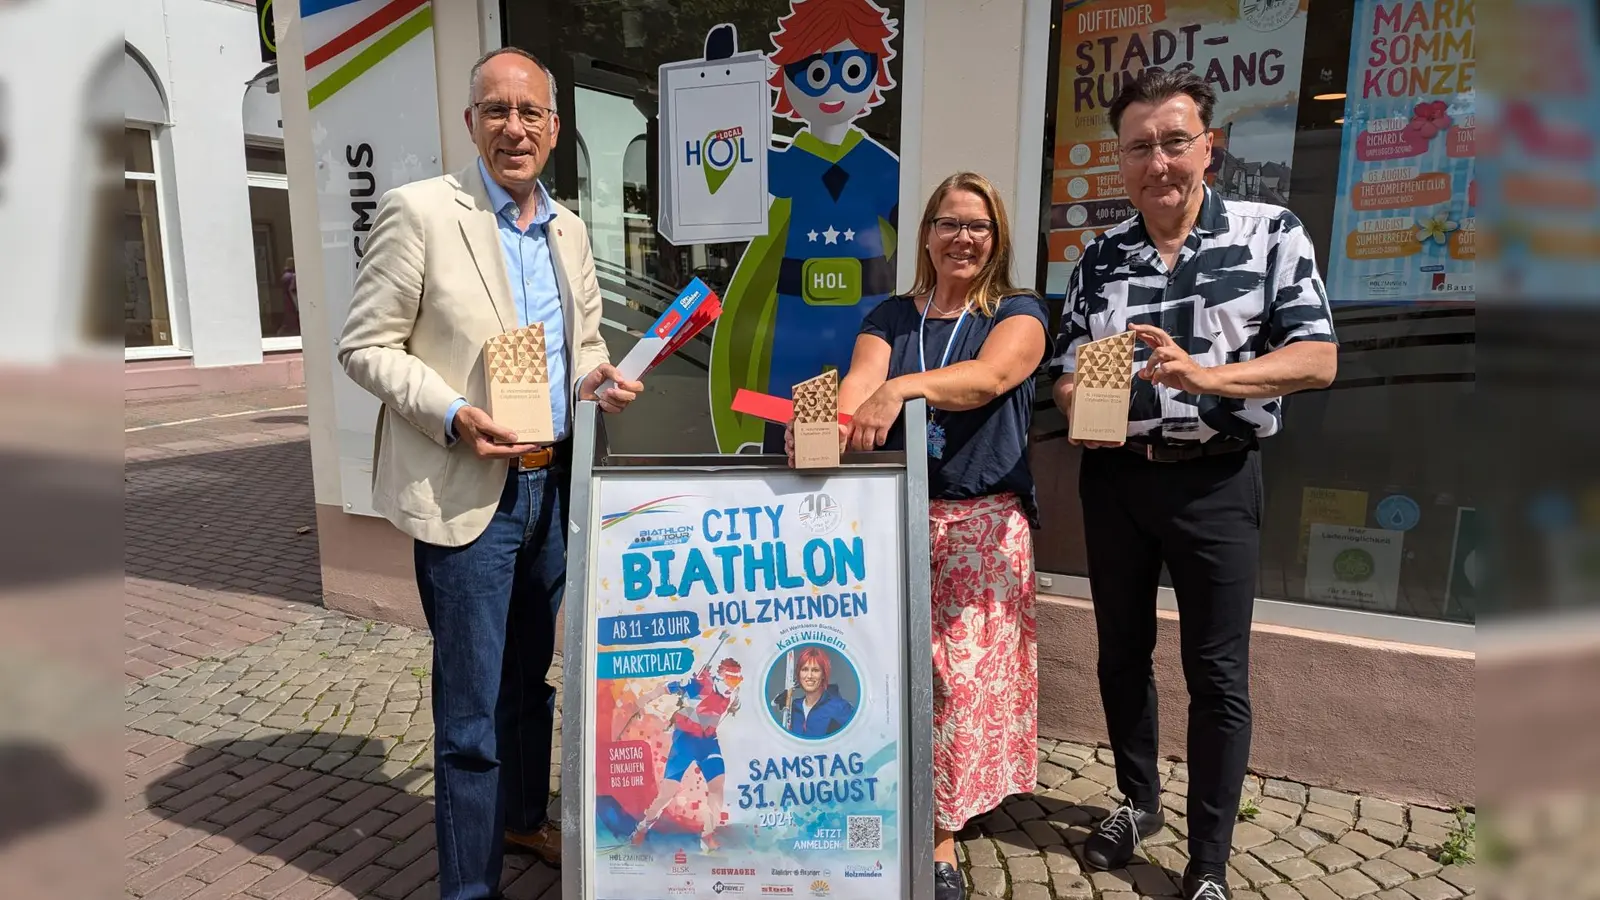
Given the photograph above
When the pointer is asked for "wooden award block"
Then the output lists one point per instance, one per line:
(517, 374)
(1102, 385)
(816, 422)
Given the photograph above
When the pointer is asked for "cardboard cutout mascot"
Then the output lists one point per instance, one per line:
(800, 292)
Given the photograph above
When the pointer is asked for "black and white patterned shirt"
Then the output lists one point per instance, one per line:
(1245, 283)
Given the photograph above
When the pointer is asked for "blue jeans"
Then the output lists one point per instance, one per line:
(491, 606)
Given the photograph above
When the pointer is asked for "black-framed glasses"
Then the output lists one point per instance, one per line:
(494, 113)
(1171, 148)
(947, 227)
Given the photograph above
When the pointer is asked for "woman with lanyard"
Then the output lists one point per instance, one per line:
(968, 342)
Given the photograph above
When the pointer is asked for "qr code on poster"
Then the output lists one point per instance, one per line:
(865, 832)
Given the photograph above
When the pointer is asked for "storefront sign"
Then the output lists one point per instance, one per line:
(1405, 225)
(715, 127)
(374, 126)
(748, 701)
(1354, 568)
(1250, 54)
(266, 31)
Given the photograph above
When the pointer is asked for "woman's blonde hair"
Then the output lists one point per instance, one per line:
(993, 282)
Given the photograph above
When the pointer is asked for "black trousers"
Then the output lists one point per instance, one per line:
(1202, 518)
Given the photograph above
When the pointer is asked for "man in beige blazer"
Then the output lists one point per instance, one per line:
(450, 263)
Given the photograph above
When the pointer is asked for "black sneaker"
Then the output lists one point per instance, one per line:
(1205, 886)
(947, 884)
(1114, 840)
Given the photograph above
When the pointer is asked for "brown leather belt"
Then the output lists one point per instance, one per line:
(536, 459)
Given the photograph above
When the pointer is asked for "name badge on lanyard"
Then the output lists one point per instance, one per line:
(936, 435)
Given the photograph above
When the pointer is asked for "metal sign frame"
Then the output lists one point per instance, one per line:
(591, 465)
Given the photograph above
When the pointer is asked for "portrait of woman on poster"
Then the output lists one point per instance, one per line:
(812, 706)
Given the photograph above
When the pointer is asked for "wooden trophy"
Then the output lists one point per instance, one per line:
(517, 374)
(816, 422)
(1101, 388)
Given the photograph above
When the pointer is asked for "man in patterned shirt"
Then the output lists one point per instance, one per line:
(1231, 315)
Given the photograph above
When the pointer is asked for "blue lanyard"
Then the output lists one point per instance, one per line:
(922, 355)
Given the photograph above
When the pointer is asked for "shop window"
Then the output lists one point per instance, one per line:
(1374, 465)
(277, 285)
(146, 312)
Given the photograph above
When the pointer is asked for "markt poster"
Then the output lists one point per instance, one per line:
(1405, 220)
(748, 701)
(1249, 51)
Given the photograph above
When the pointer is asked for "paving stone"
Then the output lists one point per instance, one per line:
(1280, 892)
(1350, 884)
(1115, 880)
(1286, 790)
(1277, 851)
(1335, 799)
(1051, 774)
(1015, 843)
(1422, 815)
(1348, 817)
(1332, 829)
(1297, 868)
(1364, 844)
(1247, 835)
(1461, 877)
(1072, 887)
(1030, 892)
(1316, 890)
(1060, 862)
(1432, 888)
(1028, 868)
(1152, 881)
(988, 881)
(1023, 811)
(1382, 810)
(980, 852)
(1385, 873)
(1417, 864)
(1306, 839)
(1281, 807)
(1100, 773)
(1387, 832)
(1273, 822)
(1170, 858)
(1426, 837)
(1043, 833)
(1255, 871)
(1335, 857)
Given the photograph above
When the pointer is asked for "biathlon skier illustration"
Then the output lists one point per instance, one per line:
(801, 290)
(811, 705)
(704, 700)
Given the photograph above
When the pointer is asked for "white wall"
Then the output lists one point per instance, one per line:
(212, 52)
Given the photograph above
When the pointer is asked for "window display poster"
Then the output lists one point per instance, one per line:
(1354, 568)
(748, 699)
(1328, 506)
(1249, 51)
(1404, 224)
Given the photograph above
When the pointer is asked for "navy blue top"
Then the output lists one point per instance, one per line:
(986, 449)
(832, 713)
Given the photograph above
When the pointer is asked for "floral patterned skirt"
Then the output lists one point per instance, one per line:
(985, 664)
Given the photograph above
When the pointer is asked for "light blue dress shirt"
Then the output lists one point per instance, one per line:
(532, 274)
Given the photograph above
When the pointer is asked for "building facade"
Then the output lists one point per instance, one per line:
(211, 299)
(1363, 661)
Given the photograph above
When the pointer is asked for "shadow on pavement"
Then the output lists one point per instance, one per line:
(63, 517)
(268, 826)
(226, 520)
(40, 789)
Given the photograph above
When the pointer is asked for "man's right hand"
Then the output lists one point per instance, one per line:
(1062, 394)
(479, 432)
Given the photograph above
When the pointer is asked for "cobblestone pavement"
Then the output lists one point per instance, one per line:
(304, 762)
(219, 547)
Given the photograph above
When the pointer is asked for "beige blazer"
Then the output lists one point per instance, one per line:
(431, 290)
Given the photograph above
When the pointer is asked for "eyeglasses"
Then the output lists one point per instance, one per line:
(852, 69)
(498, 114)
(1171, 148)
(947, 227)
